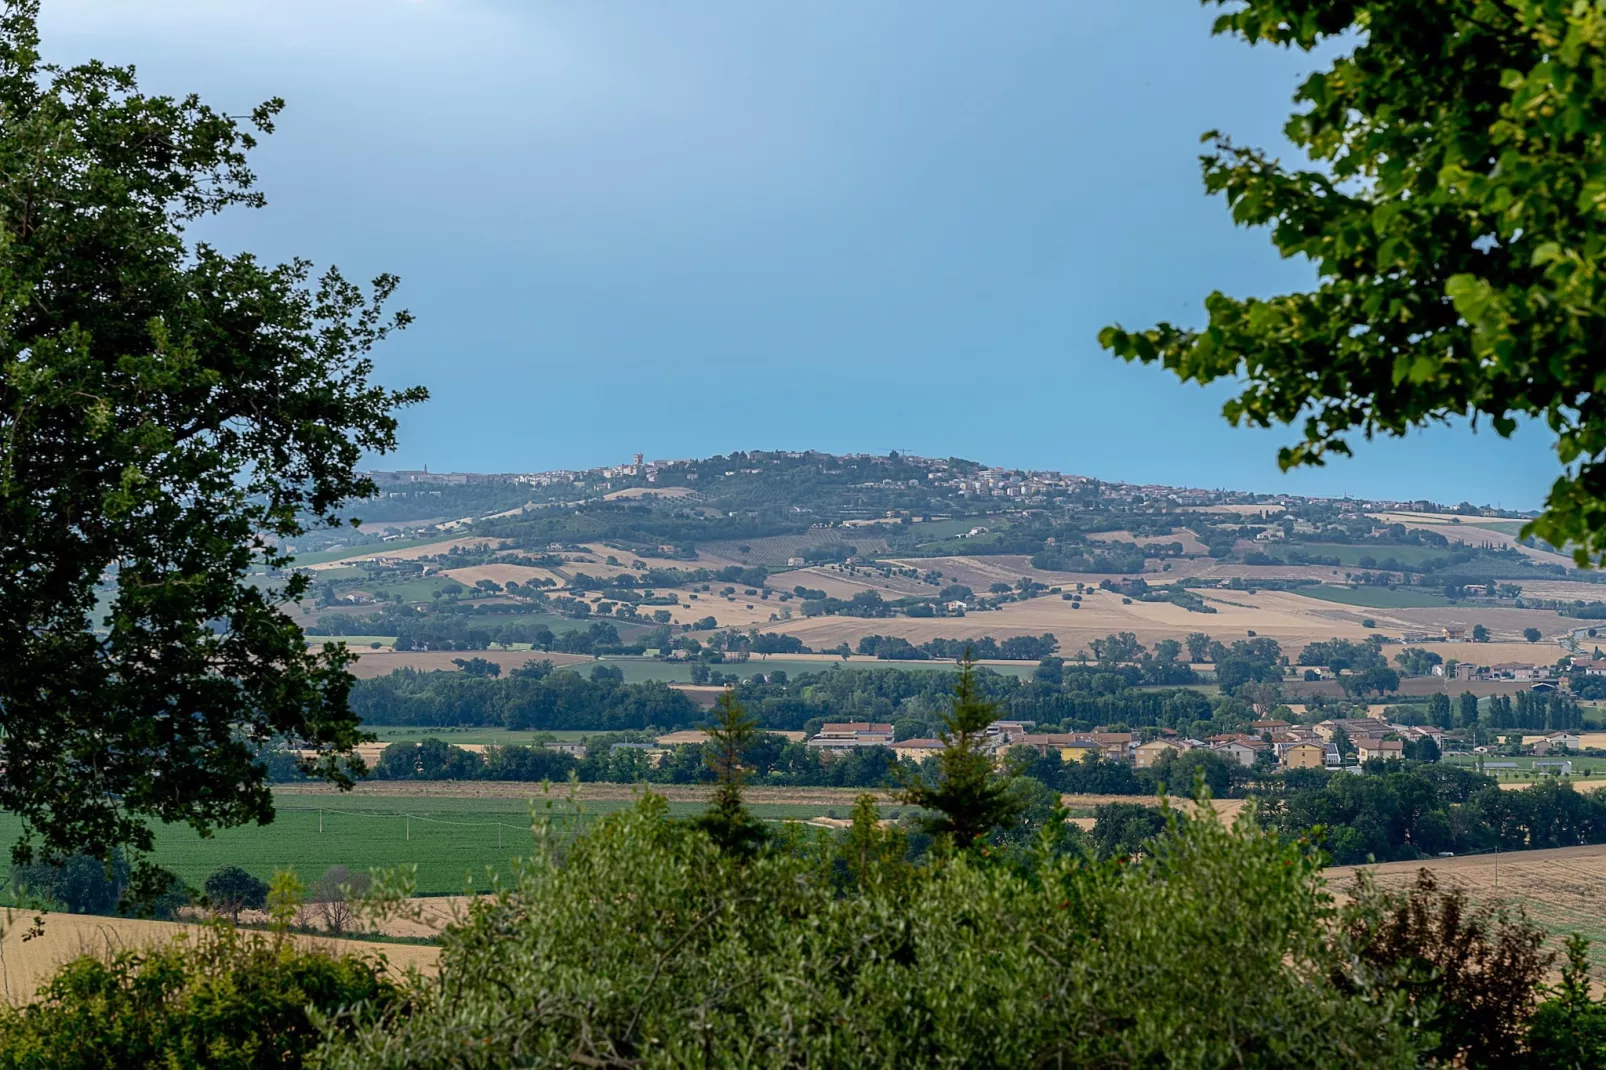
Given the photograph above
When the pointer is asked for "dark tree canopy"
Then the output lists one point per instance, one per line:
(168, 416)
(1454, 208)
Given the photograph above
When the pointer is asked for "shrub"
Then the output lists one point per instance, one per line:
(649, 945)
(223, 999)
(1473, 974)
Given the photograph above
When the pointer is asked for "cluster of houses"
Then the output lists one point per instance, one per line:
(1289, 746)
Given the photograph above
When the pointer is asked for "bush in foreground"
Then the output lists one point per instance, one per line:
(647, 945)
(225, 999)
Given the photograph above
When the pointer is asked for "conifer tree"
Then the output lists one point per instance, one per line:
(727, 819)
(970, 799)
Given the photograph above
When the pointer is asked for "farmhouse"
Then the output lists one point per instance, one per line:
(1236, 751)
(1351, 726)
(1514, 670)
(917, 750)
(847, 735)
(1115, 746)
(1381, 749)
(1069, 746)
(1301, 756)
(1155, 750)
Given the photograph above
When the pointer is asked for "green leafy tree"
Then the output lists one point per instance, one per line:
(728, 820)
(1439, 711)
(231, 890)
(1469, 709)
(1532, 634)
(1480, 634)
(1569, 1029)
(1452, 209)
(969, 798)
(169, 416)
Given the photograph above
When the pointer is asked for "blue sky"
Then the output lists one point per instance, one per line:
(694, 227)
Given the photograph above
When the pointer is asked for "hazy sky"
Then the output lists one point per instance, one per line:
(686, 228)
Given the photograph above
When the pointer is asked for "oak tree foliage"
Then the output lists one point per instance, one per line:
(169, 415)
(1453, 204)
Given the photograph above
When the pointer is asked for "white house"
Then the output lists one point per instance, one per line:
(1233, 750)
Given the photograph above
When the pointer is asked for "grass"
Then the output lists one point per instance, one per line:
(1504, 527)
(1583, 765)
(1376, 597)
(1349, 554)
(378, 549)
(455, 843)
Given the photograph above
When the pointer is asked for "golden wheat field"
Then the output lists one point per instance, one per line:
(1563, 889)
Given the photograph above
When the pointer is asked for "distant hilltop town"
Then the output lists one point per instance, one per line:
(952, 477)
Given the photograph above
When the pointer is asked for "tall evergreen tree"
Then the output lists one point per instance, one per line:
(969, 799)
(728, 820)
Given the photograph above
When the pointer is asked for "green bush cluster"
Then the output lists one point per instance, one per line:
(223, 999)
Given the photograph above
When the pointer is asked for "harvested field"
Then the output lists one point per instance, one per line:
(1415, 686)
(1190, 542)
(1291, 619)
(25, 964)
(371, 663)
(473, 574)
(408, 553)
(1574, 783)
(1566, 591)
(1229, 809)
(772, 551)
(1563, 889)
(1267, 511)
(649, 492)
(1475, 531)
(837, 582)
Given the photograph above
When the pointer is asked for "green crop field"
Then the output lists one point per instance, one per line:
(1504, 527)
(453, 842)
(1377, 597)
(1583, 766)
(377, 549)
(1349, 554)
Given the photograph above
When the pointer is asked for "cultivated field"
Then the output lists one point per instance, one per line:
(1563, 890)
(471, 575)
(371, 663)
(1475, 531)
(404, 551)
(1190, 542)
(649, 492)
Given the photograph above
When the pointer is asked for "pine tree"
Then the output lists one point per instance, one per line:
(727, 819)
(970, 798)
